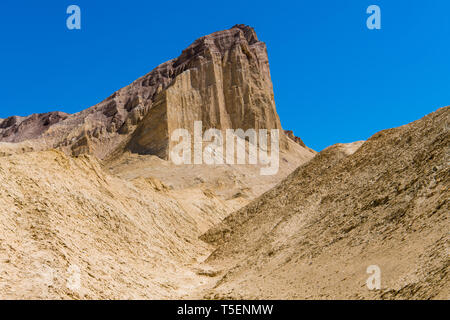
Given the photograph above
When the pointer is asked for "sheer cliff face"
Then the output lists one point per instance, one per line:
(222, 79)
(383, 202)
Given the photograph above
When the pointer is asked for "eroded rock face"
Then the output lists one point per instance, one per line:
(294, 138)
(381, 202)
(222, 79)
(17, 129)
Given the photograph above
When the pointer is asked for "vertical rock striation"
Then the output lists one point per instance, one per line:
(222, 79)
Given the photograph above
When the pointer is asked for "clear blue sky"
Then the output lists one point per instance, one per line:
(334, 80)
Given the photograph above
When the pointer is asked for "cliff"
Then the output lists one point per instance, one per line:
(222, 79)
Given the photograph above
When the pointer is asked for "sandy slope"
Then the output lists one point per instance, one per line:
(314, 235)
(383, 202)
(130, 239)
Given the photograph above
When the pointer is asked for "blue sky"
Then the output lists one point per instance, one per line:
(334, 79)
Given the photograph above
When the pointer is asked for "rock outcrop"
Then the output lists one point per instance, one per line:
(290, 134)
(17, 129)
(222, 79)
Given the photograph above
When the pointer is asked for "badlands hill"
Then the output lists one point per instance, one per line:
(96, 192)
(130, 239)
(383, 202)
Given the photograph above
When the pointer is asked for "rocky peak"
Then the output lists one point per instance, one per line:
(220, 42)
(222, 79)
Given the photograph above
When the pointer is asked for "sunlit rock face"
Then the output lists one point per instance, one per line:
(222, 79)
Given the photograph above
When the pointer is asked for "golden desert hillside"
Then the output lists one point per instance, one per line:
(95, 194)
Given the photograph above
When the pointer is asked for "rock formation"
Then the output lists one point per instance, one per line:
(222, 79)
(383, 202)
(290, 134)
(94, 192)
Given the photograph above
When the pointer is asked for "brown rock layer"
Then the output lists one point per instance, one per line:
(17, 129)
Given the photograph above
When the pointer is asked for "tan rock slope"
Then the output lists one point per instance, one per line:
(95, 192)
(314, 235)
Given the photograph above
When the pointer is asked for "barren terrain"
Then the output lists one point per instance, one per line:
(96, 194)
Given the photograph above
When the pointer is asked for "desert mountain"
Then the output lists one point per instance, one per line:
(222, 79)
(96, 192)
(383, 202)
